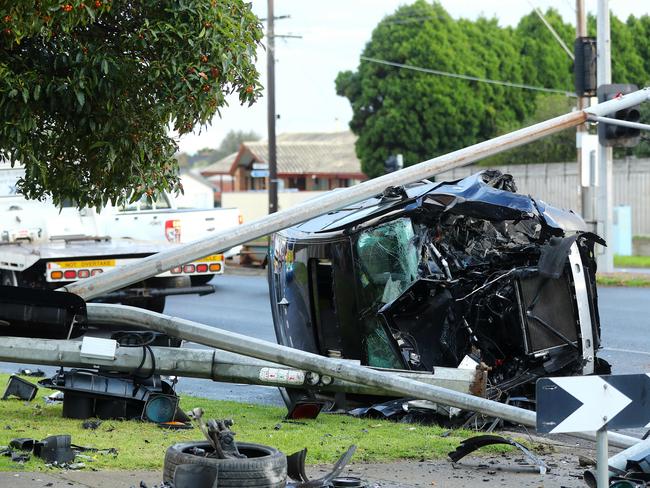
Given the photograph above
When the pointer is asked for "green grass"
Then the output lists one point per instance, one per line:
(142, 445)
(632, 261)
(623, 279)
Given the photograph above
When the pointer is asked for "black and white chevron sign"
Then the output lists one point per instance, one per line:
(588, 403)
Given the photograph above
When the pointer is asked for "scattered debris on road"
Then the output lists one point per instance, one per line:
(473, 443)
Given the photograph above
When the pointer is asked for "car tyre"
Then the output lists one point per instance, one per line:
(265, 467)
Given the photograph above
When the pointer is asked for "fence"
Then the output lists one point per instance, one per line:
(557, 184)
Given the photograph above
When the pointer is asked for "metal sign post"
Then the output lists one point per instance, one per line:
(602, 455)
(593, 403)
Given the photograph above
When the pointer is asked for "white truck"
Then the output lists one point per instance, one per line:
(43, 246)
(162, 220)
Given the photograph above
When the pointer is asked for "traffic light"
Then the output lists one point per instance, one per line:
(394, 162)
(616, 135)
(584, 66)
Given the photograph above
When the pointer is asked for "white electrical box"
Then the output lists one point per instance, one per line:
(96, 348)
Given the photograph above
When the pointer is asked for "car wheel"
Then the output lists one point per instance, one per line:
(264, 467)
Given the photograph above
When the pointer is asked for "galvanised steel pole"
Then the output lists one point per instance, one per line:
(213, 364)
(605, 191)
(99, 285)
(336, 368)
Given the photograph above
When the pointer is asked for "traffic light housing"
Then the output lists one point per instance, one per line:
(584, 66)
(616, 135)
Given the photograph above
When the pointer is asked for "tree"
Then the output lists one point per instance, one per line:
(559, 147)
(543, 60)
(89, 90)
(420, 115)
(207, 155)
(233, 140)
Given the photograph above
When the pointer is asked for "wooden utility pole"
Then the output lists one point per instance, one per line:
(270, 93)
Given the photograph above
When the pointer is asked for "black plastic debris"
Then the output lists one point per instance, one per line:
(22, 444)
(20, 388)
(91, 424)
(35, 373)
(299, 479)
(196, 476)
(89, 394)
(473, 443)
(348, 482)
(392, 409)
(47, 314)
(19, 457)
(55, 449)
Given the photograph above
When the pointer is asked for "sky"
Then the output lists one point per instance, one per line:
(334, 33)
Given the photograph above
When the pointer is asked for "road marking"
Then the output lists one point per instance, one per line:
(627, 351)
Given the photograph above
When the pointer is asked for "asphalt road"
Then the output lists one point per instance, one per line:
(241, 305)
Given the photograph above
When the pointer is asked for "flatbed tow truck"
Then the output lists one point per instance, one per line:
(58, 262)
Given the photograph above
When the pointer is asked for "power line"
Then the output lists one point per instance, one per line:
(468, 77)
(553, 31)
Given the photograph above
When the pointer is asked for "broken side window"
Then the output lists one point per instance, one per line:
(386, 264)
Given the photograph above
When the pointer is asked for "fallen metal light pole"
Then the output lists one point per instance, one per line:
(214, 364)
(619, 461)
(150, 266)
(337, 368)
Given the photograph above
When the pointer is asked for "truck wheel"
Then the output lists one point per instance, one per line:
(9, 278)
(155, 304)
(265, 467)
(201, 279)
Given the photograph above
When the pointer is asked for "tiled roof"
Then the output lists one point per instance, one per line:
(304, 152)
(222, 166)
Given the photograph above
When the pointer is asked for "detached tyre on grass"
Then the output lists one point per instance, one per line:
(264, 467)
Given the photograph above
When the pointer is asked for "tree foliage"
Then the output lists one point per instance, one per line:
(422, 115)
(89, 90)
(229, 145)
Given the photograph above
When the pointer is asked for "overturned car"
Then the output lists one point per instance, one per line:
(443, 274)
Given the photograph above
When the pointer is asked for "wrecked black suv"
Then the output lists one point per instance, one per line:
(430, 274)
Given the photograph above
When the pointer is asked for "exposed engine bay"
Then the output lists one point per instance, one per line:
(453, 274)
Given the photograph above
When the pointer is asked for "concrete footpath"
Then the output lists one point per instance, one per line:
(510, 470)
